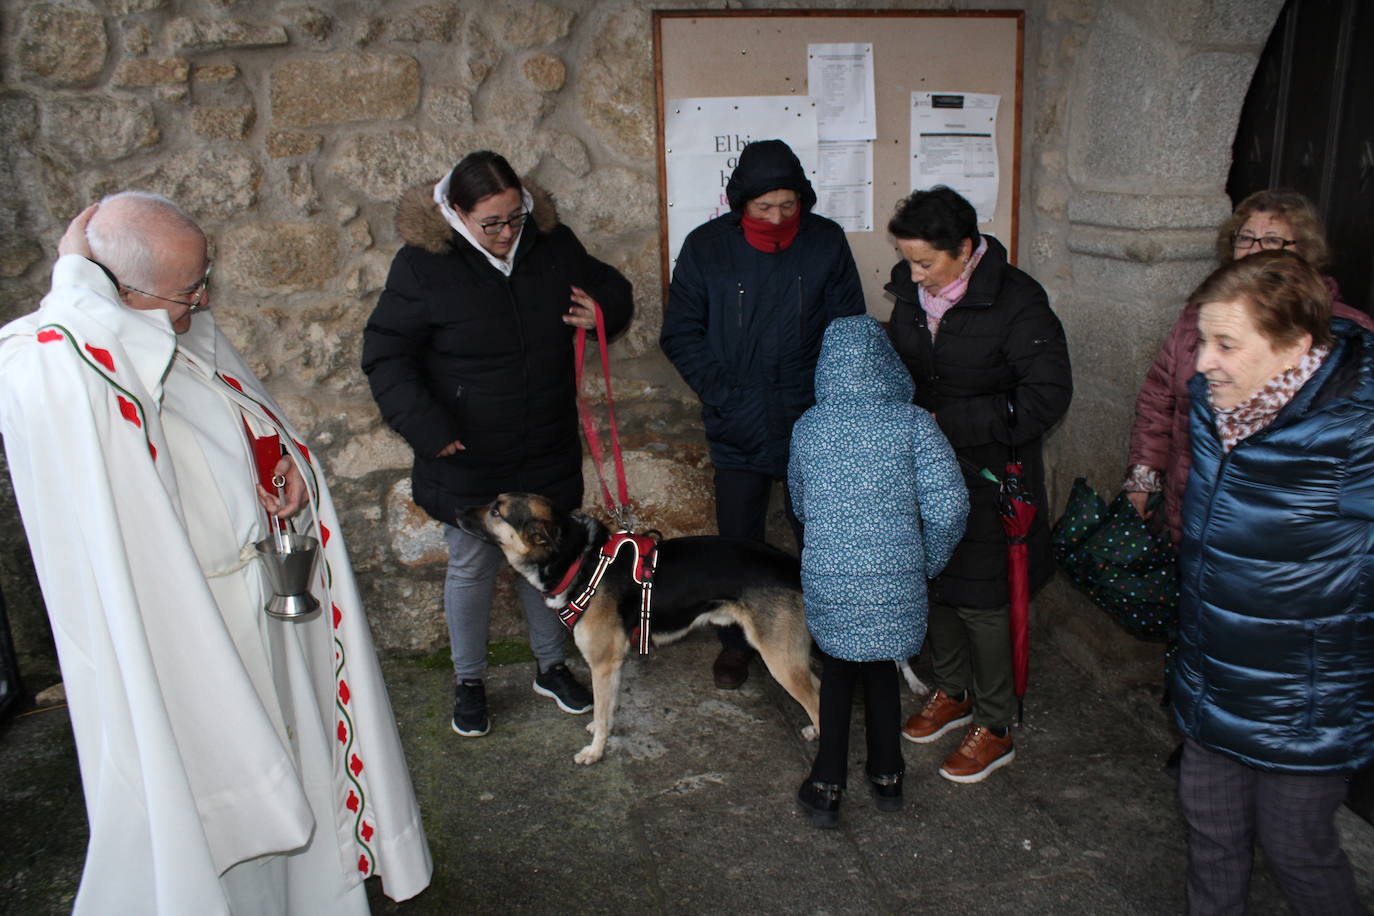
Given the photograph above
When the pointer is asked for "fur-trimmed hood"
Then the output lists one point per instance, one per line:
(419, 222)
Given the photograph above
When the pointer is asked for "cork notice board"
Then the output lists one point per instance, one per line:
(730, 53)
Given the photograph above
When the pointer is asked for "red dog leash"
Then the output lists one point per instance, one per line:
(620, 512)
(643, 547)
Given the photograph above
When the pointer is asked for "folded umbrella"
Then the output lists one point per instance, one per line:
(1017, 506)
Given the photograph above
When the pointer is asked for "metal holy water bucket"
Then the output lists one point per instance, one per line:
(289, 573)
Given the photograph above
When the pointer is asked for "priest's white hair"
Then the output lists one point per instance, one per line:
(123, 241)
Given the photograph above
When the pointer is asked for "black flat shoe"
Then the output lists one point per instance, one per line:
(821, 802)
(887, 791)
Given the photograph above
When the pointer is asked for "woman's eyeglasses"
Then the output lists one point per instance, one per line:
(494, 227)
(1246, 241)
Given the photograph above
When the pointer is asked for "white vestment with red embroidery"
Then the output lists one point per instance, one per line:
(228, 758)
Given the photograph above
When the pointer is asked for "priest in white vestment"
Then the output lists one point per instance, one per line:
(232, 762)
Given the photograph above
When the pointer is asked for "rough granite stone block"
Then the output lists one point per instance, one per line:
(545, 72)
(217, 34)
(416, 539)
(283, 143)
(59, 45)
(610, 201)
(214, 184)
(312, 22)
(525, 25)
(352, 86)
(272, 256)
(101, 129)
(223, 122)
(382, 166)
(216, 73)
(423, 23)
(448, 105)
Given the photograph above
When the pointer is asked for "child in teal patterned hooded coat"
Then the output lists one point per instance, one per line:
(878, 488)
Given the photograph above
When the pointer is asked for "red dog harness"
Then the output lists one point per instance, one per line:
(646, 560)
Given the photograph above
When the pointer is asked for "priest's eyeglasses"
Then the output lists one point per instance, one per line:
(198, 291)
(1245, 241)
(495, 226)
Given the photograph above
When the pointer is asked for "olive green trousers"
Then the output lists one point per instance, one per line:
(971, 651)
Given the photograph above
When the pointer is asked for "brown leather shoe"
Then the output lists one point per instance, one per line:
(980, 754)
(942, 713)
(731, 668)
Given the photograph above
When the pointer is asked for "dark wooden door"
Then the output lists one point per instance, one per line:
(1308, 124)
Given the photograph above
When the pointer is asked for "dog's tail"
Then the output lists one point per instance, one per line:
(917, 685)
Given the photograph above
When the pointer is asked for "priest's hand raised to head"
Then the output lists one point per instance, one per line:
(293, 494)
(74, 241)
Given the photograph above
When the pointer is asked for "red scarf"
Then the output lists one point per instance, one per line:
(766, 236)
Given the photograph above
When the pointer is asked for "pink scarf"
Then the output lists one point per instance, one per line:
(936, 304)
(1259, 410)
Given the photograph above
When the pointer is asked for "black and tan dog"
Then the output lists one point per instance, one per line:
(699, 580)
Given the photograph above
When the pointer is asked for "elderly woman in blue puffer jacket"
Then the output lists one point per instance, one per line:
(1273, 683)
(879, 490)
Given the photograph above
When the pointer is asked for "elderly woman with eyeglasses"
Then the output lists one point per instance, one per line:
(469, 355)
(1275, 220)
(1273, 681)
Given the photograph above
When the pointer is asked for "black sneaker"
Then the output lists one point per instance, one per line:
(558, 683)
(470, 709)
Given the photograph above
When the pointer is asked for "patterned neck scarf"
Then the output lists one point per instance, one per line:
(1258, 411)
(936, 304)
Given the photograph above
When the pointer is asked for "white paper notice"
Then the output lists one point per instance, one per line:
(954, 143)
(845, 190)
(840, 78)
(702, 142)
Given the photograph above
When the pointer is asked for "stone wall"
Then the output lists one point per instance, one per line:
(289, 131)
(1131, 112)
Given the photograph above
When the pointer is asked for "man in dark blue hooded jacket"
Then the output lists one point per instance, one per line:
(752, 293)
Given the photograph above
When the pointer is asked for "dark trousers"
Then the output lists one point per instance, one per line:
(882, 718)
(742, 512)
(971, 650)
(1228, 805)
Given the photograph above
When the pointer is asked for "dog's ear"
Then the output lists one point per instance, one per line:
(541, 533)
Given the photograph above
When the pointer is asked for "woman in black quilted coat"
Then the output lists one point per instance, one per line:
(469, 355)
(991, 363)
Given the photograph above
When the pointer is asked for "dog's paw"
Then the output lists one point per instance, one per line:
(591, 726)
(810, 733)
(587, 756)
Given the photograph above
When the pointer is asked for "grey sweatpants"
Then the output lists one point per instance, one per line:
(468, 586)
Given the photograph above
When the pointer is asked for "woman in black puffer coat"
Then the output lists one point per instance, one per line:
(469, 356)
(991, 363)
